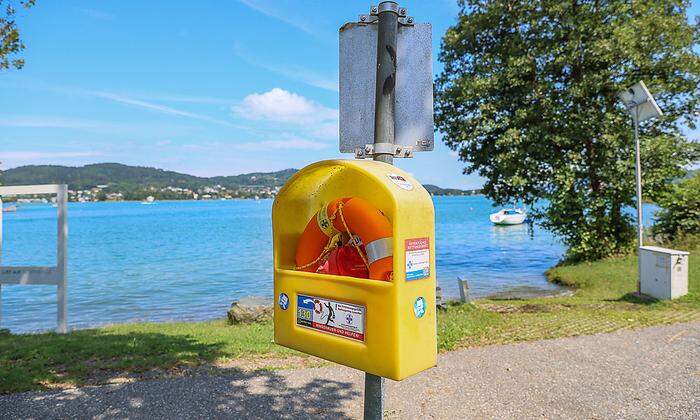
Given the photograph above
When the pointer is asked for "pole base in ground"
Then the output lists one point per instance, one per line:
(374, 397)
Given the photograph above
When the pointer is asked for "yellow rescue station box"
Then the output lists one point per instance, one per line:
(384, 327)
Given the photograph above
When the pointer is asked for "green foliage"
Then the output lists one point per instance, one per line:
(691, 174)
(679, 217)
(10, 42)
(615, 278)
(528, 98)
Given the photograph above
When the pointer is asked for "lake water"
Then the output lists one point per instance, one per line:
(187, 260)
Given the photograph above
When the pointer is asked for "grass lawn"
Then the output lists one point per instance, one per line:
(602, 302)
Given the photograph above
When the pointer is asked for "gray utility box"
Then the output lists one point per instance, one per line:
(664, 272)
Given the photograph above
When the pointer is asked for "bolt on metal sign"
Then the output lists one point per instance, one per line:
(414, 87)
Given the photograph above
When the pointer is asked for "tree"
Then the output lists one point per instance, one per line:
(680, 213)
(528, 99)
(10, 42)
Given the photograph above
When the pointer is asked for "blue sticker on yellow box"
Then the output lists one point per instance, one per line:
(419, 307)
(283, 301)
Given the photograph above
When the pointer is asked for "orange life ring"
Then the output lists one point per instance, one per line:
(363, 220)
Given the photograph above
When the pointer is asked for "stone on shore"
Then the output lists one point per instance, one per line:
(250, 309)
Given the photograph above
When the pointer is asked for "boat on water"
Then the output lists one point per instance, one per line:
(149, 200)
(509, 217)
(9, 209)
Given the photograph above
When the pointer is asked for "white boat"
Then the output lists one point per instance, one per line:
(149, 200)
(9, 209)
(509, 217)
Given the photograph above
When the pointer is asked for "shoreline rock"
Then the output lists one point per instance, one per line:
(250, 309)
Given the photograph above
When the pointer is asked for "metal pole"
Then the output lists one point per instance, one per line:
(638, 166)
(62, 261)
(640, 222)
(384, 100)
(374, 397)
(387, 30)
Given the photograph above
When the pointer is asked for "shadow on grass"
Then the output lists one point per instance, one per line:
(634, 297)
(31, 361)
(37, 361)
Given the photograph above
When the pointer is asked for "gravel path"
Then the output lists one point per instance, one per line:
(651, 373)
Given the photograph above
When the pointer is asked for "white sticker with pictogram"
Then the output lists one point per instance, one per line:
(331, 317)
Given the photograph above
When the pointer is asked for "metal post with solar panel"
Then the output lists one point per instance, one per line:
(641, 105)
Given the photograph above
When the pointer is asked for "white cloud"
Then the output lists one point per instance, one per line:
(281, 106)
(284, 141)
(140, 103)
(327, 130)
(307, 77)
(303, 75)
(32, 121)
(157, 107)
(453, 153)
(193, 99)
(273, 10)
(26, 123)
(34, 155)
(290, 144)
(268, 146)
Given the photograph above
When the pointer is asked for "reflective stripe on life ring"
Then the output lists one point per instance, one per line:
(378, 249)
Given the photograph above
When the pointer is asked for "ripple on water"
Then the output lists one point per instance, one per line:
(189, 260)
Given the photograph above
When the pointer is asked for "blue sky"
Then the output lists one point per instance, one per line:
(212, 88)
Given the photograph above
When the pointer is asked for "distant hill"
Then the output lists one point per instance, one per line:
(435, 190)
(127, 177)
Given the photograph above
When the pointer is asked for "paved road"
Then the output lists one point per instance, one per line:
(652, 373)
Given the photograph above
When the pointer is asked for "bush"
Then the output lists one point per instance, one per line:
(679, 217)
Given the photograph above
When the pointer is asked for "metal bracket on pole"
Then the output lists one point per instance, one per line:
(383, 149)
(374, 11)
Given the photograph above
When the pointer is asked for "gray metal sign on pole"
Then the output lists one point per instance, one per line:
(641, 105)
(386, 95)
(365, 67)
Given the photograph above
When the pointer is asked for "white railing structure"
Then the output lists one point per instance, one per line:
(56, 275)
